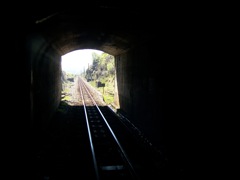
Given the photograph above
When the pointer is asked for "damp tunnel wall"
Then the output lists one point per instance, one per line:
(140, 90)
(45, 63)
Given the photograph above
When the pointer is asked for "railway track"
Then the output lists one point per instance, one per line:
(90, 141)
(109, 158)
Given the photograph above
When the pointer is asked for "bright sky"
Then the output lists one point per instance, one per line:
(76, 61)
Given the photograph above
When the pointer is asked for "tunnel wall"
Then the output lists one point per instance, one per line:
(45, 80)
(140, 90)
(157, 94)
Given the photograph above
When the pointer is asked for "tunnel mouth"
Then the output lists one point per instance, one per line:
(96, 68)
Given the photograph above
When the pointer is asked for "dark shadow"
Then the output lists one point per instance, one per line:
(63, 151)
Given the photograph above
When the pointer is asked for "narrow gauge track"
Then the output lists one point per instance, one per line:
(110, 160)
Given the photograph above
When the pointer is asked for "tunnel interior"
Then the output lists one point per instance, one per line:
(152, 79)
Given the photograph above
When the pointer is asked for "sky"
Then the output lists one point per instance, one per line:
(75, 61)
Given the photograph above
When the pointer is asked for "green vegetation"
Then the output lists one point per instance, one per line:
(102, 70)
(62, 107)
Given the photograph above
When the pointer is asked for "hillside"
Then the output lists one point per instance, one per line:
(101, 75)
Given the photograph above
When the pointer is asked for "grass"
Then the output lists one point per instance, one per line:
(66, 98)
(108, 99)
(107, 91)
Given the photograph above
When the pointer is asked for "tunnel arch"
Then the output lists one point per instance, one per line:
(150, 46)
(74, 29)
(60, 33)
(129, 35)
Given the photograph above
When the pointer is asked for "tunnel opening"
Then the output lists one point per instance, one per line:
(97, 68)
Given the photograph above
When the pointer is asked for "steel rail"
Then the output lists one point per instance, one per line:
(114, 136)
(90, 137)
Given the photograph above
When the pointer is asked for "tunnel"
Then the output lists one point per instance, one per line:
(152, 78)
